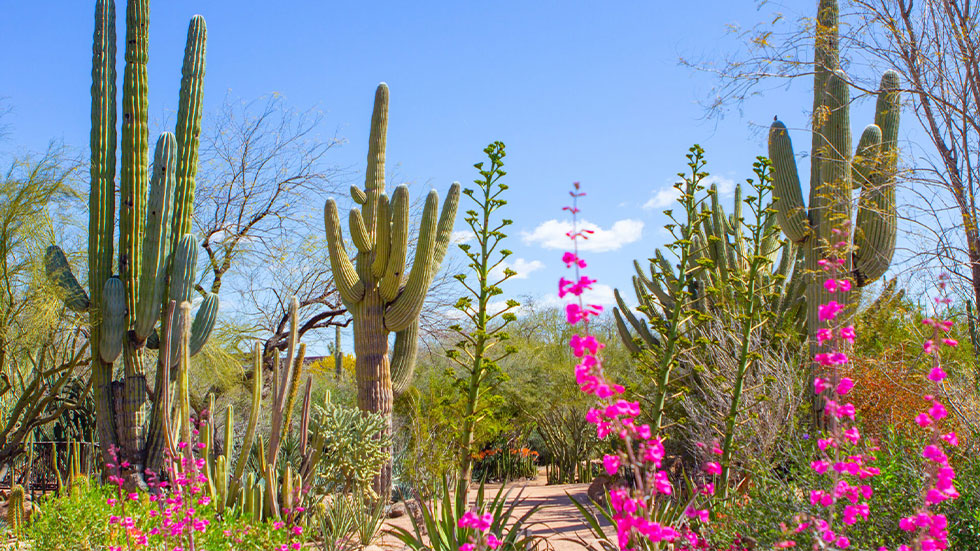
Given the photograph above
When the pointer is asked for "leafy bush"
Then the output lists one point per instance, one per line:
(82, 521)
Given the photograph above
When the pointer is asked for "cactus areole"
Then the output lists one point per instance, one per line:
(834, 174)
(156, 260)
(380, 294)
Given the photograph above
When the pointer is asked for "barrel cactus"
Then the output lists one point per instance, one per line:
(157, 254)
(381, 297)
(834, 174)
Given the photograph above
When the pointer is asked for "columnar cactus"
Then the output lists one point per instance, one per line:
(157, 254)
(15, 511)
(834, 173)
(376, 290)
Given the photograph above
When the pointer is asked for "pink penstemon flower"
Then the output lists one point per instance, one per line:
(843, 500)
(927, 527)
(640, 451)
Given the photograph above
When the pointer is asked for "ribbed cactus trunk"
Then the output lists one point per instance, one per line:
(834, 174)
(156, 260)
(372, 367)
(377, 293)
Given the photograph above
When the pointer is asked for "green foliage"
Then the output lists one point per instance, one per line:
(355, 445)
(426, 434)
(439, 529)
(75, 521)
(483, 342)
(78, 521)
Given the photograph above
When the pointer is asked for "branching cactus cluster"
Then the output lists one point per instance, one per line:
(157, 254)
(274, 490)
(375, 288)
(835, 173)
(720, 268)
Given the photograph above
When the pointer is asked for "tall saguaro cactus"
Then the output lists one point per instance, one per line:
(834, 173)
(157, 255)
(375, 288)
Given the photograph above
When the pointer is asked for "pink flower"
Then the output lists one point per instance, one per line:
(936, 374)
(570, 259)
(611, 463)
(844, 386)
(712, 468)
(829, 311)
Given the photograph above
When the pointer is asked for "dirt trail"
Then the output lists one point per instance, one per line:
(558, 521)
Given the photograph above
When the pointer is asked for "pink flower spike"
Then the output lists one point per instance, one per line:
(950, 342)
(819, 385)
(844, 285)
(844, 386)
(830, 285)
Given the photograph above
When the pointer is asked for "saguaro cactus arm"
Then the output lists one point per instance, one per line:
(432, 245)
(790, 209)
(349, 284)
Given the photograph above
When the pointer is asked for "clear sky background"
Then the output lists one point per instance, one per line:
(578, 91)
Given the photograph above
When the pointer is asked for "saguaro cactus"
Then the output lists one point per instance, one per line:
(375, 288)
(157, 253)
(834, 173)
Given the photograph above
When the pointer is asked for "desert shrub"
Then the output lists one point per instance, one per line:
(426, 429)
(887, 369)
(776, 489)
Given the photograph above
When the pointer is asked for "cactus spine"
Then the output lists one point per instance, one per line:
(833, 175)
(153, 226)
(375, 290)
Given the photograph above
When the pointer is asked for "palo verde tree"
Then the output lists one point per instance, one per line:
(483, 343)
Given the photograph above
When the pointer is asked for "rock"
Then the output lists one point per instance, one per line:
(396, 510)
(599, 488)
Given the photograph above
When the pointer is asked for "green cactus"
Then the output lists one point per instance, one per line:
(833, 175)
(376, 290)
(15, 511)
(719, 250)
(157, 253)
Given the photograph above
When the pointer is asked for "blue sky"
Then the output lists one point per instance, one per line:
(579, 91)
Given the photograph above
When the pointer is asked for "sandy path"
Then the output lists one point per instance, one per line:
(557, 521)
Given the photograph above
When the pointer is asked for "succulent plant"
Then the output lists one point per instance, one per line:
(834, 174)
(157, 254)
(380, 296)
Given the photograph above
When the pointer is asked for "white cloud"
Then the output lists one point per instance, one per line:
(462, 236)
(553, 235)
(667, 195)
(521, 266)
(599, 294)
